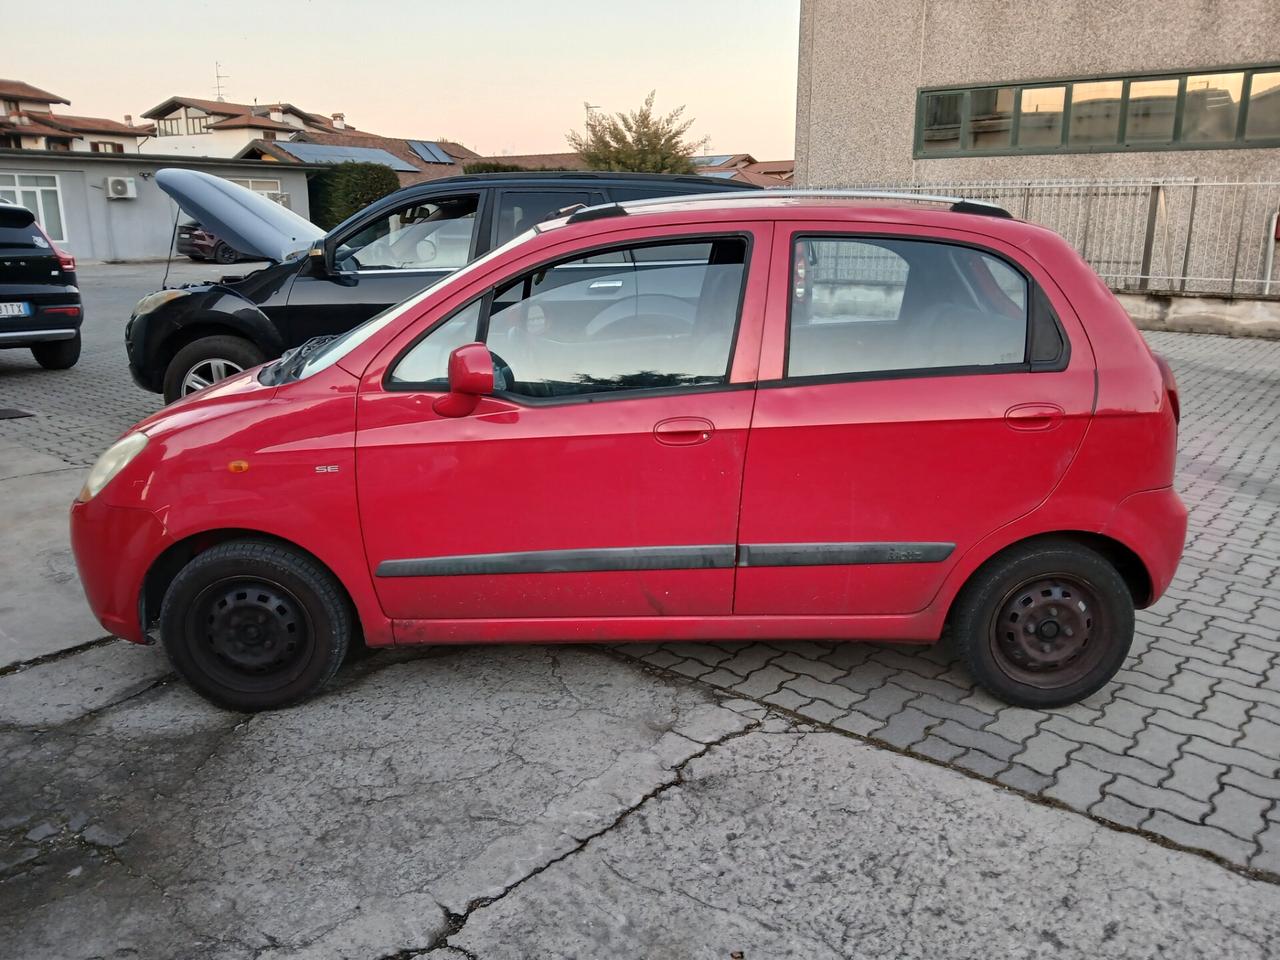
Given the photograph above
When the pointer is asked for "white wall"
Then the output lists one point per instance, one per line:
(215, 143)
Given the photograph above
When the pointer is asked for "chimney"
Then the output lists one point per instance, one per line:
(340, 121)
(128, 120)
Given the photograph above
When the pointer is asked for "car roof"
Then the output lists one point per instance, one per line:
(799, 204)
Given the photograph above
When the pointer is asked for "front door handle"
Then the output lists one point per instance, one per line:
(1034, 416)
(604, 286)
(684, 431)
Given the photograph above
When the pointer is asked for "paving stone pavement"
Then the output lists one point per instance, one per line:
(1185, 744)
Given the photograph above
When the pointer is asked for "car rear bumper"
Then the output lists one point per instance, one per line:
(58, 319)
(1153, 523)
(114, 547)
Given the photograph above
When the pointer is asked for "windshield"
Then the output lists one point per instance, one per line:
(333, 351)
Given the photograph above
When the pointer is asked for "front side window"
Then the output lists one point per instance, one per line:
(609, 322)
(876, 305)
(422, 236)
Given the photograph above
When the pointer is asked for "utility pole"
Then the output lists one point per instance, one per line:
(218, 77)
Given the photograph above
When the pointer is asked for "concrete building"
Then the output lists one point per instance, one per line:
(106, 206)
(961, 90)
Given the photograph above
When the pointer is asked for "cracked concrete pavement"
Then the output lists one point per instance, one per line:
(795, 799)
(511, 801)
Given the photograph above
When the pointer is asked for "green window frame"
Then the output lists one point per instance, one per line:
(1236, 132)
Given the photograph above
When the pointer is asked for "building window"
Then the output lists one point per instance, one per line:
(39, 193)
(105, 146)
(169, 127)
(197, 125)
(1173, 111)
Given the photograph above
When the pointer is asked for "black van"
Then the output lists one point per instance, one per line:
(39, 300)
(318, 283)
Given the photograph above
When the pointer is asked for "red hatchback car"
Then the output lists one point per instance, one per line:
(725, 417)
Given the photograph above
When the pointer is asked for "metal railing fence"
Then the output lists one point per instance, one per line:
(1172, 235)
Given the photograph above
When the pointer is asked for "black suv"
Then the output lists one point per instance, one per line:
(182, 339)
(39, 300)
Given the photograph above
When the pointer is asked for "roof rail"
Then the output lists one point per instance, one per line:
(956, 204)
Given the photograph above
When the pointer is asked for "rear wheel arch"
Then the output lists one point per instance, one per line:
(1122, 557)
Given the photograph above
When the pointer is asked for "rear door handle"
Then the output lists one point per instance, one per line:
(683, 431)
(1034, 416)
(602, 286)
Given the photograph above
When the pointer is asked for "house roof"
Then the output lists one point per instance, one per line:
(17, 90)
(344, 153)
(225, 108)
(72, 124)
(539, 161)
(251, 122)
(33, 129)
(775, 168)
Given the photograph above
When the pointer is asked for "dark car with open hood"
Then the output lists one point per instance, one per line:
(322, 284)
(39, 300)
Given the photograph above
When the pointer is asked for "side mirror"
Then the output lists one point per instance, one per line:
(323, 264)
(470, 378)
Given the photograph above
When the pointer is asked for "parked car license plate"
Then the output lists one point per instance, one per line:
(14, 310)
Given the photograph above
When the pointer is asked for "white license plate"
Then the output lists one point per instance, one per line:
(14, 310)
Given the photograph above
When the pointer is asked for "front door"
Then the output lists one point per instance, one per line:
(916, 394)
(384, 260)
(602, 478)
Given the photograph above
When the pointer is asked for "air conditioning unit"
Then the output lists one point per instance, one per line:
(122, 188)
(280, 198)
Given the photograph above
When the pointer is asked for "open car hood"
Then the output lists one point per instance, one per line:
(246, 220)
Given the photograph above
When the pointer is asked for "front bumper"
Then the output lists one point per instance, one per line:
(114, 548)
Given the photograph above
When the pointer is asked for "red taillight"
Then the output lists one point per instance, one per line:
(65, 260)
(1170, 386)
(63, 311)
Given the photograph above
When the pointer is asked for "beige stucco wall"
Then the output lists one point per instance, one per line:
(862, 61)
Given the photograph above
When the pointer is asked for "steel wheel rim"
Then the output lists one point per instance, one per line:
(1049, 631)
(208, 372)
(250, 633)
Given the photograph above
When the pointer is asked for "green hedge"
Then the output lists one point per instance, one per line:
(346, 188)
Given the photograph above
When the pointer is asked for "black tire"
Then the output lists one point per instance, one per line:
(224, 254)
(1044, 624)
(57, 354)
(230, 351)
(255, 625)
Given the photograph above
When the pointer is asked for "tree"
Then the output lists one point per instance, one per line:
(347, 187)
(639, 141)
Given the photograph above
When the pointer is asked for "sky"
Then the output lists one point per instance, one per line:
(496, 75)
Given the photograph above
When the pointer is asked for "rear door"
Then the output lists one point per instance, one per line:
(917, 392)
(383, 260)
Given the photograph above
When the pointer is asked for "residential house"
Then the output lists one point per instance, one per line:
(744, 168)
(413, 160)
(188, 126)
(29, 123)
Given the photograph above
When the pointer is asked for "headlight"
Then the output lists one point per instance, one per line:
(154, 301)
(115, 459)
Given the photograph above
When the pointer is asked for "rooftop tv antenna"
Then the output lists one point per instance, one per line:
(588, 107)
(218, 77)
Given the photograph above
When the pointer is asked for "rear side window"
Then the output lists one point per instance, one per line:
(520, 210)
(864, 306)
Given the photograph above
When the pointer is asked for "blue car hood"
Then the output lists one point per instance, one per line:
(247, 221)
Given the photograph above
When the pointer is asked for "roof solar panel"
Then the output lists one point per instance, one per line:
(430, 151)
(719, 174)
(329, 153)
(712, 161)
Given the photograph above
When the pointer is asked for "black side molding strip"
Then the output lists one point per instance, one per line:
(565, 561)
(839, 554)
(704, 557)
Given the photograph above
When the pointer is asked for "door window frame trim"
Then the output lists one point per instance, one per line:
(482, 324)
(1034, 303)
